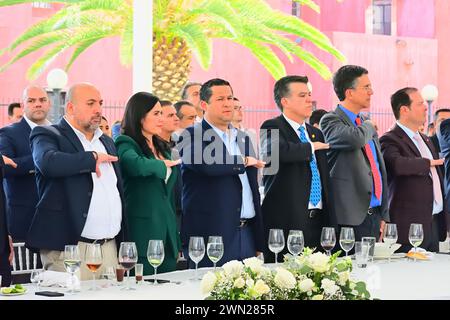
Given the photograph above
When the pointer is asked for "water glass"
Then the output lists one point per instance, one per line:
(371, 243)
(390, 235)
(295, 242)
(415, 236)
(361, 254)
(36, 277)
(215, 249)
(72, 263)
(196, 252)
(276, 242)
(347, 239)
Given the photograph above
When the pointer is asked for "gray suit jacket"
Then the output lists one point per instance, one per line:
(350, 175)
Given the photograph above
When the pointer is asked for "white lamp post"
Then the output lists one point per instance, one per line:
(430, 94)
(56, 81)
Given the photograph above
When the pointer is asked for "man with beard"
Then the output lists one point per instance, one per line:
(79, 184)
(15, 144)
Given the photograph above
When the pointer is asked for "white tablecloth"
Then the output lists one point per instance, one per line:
(400, 279)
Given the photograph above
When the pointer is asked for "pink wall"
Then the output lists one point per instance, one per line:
(391, 63)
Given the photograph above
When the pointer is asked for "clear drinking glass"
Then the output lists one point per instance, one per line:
(295, 242)
(328, 239)
(155, 255)
(347, 239)
(214, 249)
(371, 242)
(36, 277)
(128, 257)
(390, 235)
(72, 263)
(93, 260)
(415, 236)
(276, 242)
(196, 252)
(361, 253)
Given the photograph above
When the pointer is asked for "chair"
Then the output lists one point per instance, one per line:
(24, 261)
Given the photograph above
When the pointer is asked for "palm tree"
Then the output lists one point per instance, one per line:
(180, 27)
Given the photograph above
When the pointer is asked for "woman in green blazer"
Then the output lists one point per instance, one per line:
(149, 178)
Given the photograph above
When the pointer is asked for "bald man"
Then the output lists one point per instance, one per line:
(20, 183)
(79, 184)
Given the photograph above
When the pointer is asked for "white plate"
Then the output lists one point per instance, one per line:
(394, 256)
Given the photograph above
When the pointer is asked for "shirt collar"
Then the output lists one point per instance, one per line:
(97, 134)
(352, 116)
(407, 130)
(34, 124)
(232, 131)
(295, 125)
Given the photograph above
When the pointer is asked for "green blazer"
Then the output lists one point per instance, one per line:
(149, 202)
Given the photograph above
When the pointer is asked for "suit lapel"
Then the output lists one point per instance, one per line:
(343, 116)
(287, 129)
(406, 140)
(435, 155)
(67, 130)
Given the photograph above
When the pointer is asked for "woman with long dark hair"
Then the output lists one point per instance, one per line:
(149, 178)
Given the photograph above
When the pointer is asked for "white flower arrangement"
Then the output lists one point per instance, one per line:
(310, 276)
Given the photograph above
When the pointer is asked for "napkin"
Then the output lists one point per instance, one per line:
(58, 279)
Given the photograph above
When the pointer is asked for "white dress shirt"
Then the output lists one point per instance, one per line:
(295, 126)
(33, 124)
(105, 210)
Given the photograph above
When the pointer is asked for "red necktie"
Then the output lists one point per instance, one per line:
(373, 166)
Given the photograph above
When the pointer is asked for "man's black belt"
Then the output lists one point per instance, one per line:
(99, 241)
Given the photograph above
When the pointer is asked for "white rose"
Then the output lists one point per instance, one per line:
(233, 268)
(284, 279)
(254, 264)
(343, 277)
(250, 283)
(317, 297)
(208, 282)
(261, 287)
(329, 287)
(319, 262)
(306, 285)
(239, 283)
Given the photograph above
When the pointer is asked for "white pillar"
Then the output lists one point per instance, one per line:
(142, 45)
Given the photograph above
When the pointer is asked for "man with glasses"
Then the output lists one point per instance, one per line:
(357, 170)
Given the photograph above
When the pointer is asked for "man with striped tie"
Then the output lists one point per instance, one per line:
(296, 195)
(358, 174)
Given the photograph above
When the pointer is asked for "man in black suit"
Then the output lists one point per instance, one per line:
(6, 248)
(296, 195)
(439, 116)
(20, 183)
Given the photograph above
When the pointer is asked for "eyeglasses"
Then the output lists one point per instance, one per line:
(366, 88)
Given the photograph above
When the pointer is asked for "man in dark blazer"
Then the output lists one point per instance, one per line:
(6, 247)
(296, 192)
(20, 183)
(79, 184)
(415, 186)
(439, 116)
(357, 170)
(219, 171)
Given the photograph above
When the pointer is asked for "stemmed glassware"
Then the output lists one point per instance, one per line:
(155, 255)
(72, 263)
(214, 249)
(415, 236)
(276, 242)
(295, 242)
(93, 260)
(36, 277)
(128, 257)
(347, 239)
(328, 239)
(390, 235)
(196, 252)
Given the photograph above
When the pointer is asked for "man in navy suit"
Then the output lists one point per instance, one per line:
(6, 248)
(20, 183)
(219, 171)
(79, 184)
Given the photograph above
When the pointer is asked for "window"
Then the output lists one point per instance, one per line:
(41, 5)
(296, 9)
(382, 16)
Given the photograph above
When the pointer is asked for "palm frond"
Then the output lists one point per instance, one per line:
(79, 50)
(41, 64)
(4, 3)
(126, 43)
(309, 3)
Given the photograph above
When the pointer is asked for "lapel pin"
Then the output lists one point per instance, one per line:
(313, 136)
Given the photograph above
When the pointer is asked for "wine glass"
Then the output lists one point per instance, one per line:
(93, 260)
(128, 257)
(155, 255)
(415, 236)
(36, 277)
(276, 242)
(347, 239)
(72, 263)
(196, 252)
(328, 239)
(215, 249)
(295, 242)
(390, 235)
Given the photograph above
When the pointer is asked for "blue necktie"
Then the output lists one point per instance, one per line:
(316, 187)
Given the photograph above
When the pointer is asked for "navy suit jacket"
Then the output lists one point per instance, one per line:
(64, 182)
(19, 183)
(212, 192)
